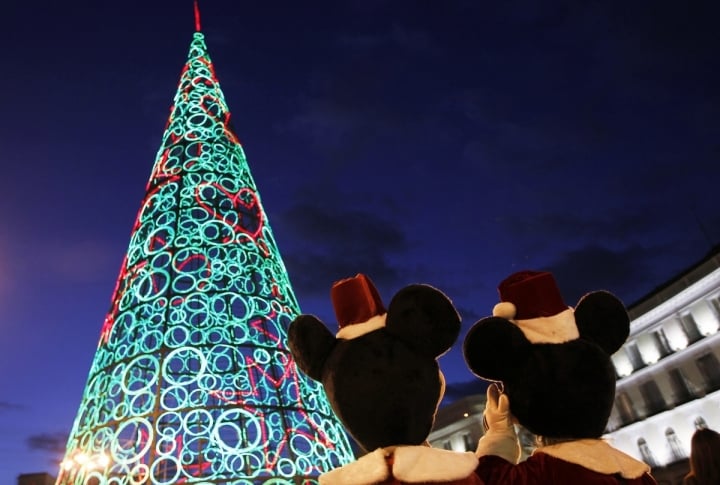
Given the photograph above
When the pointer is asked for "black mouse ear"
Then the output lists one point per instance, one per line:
(424, 318)
(310, 344)
(494, 347)
(602, 318)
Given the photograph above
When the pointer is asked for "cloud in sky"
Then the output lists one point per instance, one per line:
(397, 36)
(44, 260)
(602, 269)
(49, 442)
(8, 406)
(331, 242)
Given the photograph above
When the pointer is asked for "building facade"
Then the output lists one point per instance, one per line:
(669, 368)
(36, 479)
(458, 426)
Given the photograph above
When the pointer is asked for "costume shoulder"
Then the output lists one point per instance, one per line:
(494, 470)
(597, 455)
(407, 465)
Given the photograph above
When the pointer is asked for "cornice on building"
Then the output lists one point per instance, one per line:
(671, 294)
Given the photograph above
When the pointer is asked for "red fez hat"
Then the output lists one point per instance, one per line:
(355, 300)
(534, 293)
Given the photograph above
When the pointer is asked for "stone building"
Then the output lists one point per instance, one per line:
(669, 369)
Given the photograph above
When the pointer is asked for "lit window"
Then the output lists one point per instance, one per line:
(681, 387)
(690, 327)
(468, 442)
(623, 366)
(676, 448)
(654, 401)
(708, 366)
(700, 423)
(646, 453)
(625, 408)
(715, 304)
(706, 319)
(676, 336)
(632, 352)
(648, 349)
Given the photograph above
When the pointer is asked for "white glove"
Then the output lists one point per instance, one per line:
(500, 438)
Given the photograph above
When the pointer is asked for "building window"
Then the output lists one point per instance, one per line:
(675, 334)
(446, 445)
(468, 442)
(700, 423)
(625, 409)
(646, 454)
(654, 402)
(661, 342)
(690, 327)
(707, 319)
(634, 355)
(647, 345)
(676, 448)
(715, 304)
(623, 366)
(680, 386)
(708, 366)
(653, 346)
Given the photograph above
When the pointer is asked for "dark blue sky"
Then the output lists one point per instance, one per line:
(450, 143)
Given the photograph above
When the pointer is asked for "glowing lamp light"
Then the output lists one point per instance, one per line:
(102, 460)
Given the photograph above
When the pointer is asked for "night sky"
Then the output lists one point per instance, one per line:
(450, 143)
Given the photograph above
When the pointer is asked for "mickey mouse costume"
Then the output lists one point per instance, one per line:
(382, 379)
(558, 379)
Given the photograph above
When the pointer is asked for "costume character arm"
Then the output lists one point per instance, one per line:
(500, 438)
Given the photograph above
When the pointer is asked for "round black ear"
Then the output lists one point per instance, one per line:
(601, 318)
(310, 344)
(424, 318)
(494, 347)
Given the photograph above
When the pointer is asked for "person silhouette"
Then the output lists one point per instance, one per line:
(704, 458)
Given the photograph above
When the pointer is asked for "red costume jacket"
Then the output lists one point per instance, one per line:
(417, 465)
(585, 462)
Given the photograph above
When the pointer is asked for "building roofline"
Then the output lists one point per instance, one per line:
(683, 280)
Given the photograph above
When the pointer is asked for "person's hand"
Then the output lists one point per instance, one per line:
(497, 416)
(500, 438)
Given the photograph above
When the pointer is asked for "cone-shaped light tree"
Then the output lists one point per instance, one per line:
(192, 381)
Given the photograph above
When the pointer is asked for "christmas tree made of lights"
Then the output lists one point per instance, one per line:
(192, 381)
